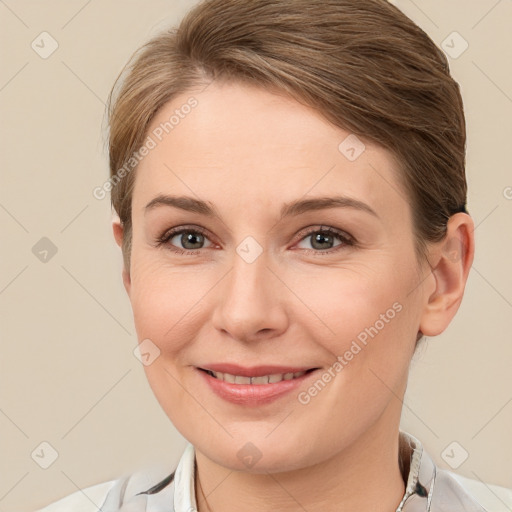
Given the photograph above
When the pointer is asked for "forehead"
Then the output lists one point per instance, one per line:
(240, 139)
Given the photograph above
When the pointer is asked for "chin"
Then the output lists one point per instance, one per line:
(258, 453)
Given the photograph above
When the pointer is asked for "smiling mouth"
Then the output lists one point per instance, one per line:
(260, 380)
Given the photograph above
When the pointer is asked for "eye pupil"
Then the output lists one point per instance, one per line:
(321, 238)
(191, 238)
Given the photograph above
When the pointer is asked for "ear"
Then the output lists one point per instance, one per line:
(118, 235)
(450, 265)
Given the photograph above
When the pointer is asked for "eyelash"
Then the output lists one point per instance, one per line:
(346, 239)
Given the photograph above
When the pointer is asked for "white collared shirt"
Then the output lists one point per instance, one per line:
(428, 489)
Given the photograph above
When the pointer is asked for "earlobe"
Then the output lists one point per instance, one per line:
(118, 231)
(452, 258)
(117, 228)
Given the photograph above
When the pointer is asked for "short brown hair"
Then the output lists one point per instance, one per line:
(363, 64)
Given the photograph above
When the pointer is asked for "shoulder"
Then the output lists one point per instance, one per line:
(144, 490)
(493, 498)
(433, 489)
(85, 500)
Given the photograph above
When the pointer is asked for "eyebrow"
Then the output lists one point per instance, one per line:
(291, 209)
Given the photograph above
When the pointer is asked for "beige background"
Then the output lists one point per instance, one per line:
(68, 375)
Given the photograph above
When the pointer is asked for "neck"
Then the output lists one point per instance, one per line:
(364, 476)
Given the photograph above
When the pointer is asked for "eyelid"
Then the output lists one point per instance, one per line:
(166, 236)
(346, 239)
(316, 228)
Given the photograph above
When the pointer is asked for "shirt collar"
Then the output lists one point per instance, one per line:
(422, 471)
(184, 493)
(413, 459)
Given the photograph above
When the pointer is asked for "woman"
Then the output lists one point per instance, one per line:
(290, 184)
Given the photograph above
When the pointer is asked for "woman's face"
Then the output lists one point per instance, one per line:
(253, 285)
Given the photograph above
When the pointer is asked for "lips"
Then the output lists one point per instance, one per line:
(253, 386)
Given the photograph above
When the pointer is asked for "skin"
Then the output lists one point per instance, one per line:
(247, 151)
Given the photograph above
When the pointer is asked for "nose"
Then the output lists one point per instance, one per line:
(250, 301)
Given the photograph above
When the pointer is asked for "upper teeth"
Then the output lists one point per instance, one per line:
(264, 379)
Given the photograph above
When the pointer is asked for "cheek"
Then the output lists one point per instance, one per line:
(335, 306)
(365, 321)
(366, 329)
(168, 303)
(361, 304)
